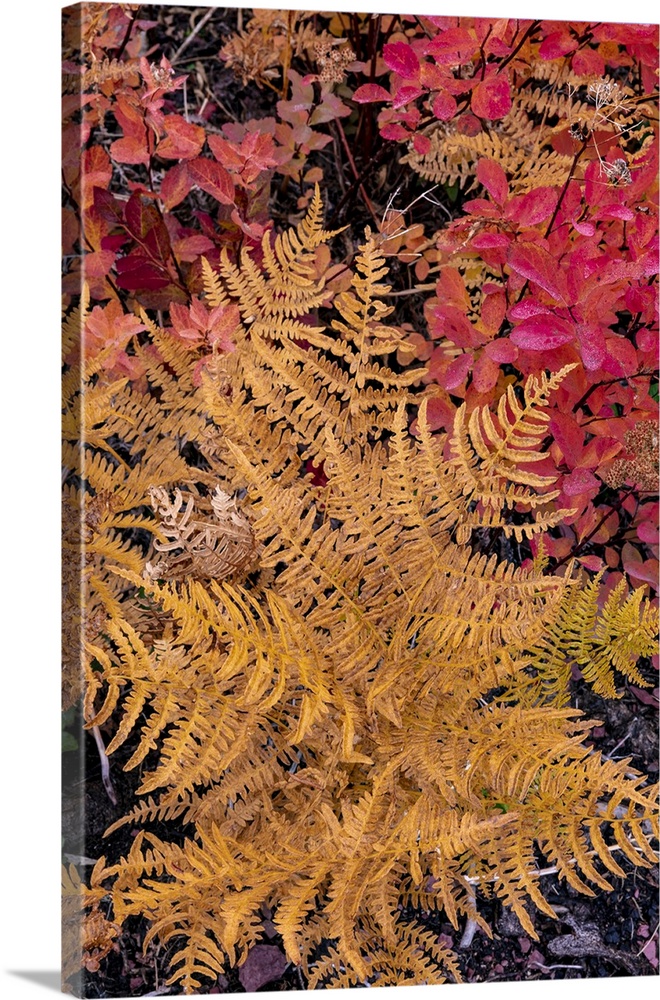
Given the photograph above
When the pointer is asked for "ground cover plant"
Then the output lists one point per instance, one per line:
(360, 495)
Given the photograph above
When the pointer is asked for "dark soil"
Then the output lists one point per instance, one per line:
(611, 936)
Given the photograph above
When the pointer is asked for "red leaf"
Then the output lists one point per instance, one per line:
(400, 58)
(532, 208)
(107, 206)
(491, 175)
(556, 44)
(95, 171)
(190, 247)
(542, 333)
(110, 326)
(404, 95)
(421, 144)
(213, 179)
(369, 92)
(502, 351)
(492, 98)
(592, 345)
(175, 185)
(485, 374)
(588, 62)
(227, 153)
(593, 563)
(184, 140)
(134, 146)
(130, 149)
(621, 356)
(444, 106)
(580, 481)
(264, 963)
(526, 308)
(646, 698)
(454, 45)
(395, 132)
(136, 272)
(468, 124)
(645, 572)
(457, 371)
(488, 241)
(569, 436)
(144, 223)
(536, 264)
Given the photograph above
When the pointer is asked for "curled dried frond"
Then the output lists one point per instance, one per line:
(201, 547)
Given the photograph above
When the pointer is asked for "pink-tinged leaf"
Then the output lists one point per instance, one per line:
(599, 451)
(489, 241)
(175, 185)
(422, 144)
(485, 374)
(144, 222)
(107, 206)
(493, 178)
(621, 358)
(457, 371)
(404, 95)
(227, 153)
(647, 532)
(493, 312)
(585, 228)
(130, 149)
(535, 264)
(453, 45)
(369, 92)
(98, 264)
(394, 132)
(645, 572)
(183, 139)
(264, 963)
(491, 98)
(542, 333)
(615, 212)
(136, 272)
(593, 563)
(190, 247)
(569, 436)
(108, 326)
(444, 106)
(580, 481)
(134, 146)
(646, 698)
(212, 178)
(593, 348)
(468, 124)
(502, 351)
(439, 413)
(532, 208)
(114, 243)
(400, 58)
(259, 149)
(95, 171)
(526, 308)
(556, 44)
(588, 62)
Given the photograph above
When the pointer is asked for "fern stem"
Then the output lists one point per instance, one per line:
(105, 765)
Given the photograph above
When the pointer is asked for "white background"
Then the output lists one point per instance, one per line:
(29, 608)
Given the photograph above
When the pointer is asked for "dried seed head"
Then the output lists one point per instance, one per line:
(618, 172)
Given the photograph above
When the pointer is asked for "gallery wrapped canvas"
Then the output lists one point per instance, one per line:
(360, 505)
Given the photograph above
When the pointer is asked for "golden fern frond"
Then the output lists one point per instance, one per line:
(489, 457)
(601, 642)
